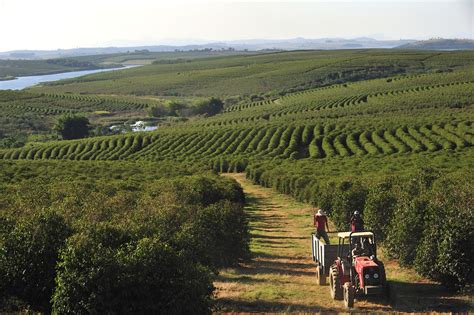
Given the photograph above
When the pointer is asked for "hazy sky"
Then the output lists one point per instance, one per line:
(51, 24)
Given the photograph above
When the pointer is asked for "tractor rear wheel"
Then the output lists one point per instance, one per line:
(348, 295)
(383, 276)
(386, 292)
(320, 276)
(335, 283)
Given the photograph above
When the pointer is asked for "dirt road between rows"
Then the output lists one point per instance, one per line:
(280, 277)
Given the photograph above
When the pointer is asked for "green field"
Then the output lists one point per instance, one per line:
(386, 132)
(395, 115)
(142, 57)
(11, 68)
(251, 86)
(264, 74)
(35, 113)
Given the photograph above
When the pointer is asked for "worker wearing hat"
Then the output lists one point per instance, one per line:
(356, 222)
(321, 224)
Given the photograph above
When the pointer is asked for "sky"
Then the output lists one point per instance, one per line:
(53, 24)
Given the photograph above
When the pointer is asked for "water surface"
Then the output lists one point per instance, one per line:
(28, 81)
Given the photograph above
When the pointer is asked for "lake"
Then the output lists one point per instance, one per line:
(24, 82)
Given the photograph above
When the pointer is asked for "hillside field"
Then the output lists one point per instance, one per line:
(386, 132)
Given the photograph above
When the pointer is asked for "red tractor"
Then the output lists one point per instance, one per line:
(356, 270)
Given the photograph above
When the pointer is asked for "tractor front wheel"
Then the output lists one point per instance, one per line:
(348, 295)
(335, 283)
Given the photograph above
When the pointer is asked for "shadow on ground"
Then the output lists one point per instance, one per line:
(225, 305)
(409, 297)
(278, 237)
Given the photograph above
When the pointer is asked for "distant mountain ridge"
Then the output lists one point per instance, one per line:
(251, 45)
(440, 44)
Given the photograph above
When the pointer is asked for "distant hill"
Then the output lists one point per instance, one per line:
(440, 44)
(239, 45)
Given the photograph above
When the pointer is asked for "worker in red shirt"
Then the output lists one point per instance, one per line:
(321, 224)
(356, 222)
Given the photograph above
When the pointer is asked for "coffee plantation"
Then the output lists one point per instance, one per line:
(387, 133)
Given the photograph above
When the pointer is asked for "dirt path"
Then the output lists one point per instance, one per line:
(281, 275)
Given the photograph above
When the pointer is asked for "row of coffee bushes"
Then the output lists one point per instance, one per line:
(228, 165)
(109, 246)
(424, 217)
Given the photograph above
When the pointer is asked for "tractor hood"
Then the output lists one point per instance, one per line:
(363, 262)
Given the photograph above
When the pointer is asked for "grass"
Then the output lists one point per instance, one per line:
(102, 112)
(280, 277)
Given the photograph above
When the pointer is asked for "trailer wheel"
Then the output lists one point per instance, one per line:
(335, 283)
(348, 295)
(320, 276)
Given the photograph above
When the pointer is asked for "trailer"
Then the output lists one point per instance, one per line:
(324, 256)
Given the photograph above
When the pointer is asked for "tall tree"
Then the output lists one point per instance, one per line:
(210, 107)
(72, 126)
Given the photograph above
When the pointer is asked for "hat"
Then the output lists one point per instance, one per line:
(320, 212)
